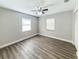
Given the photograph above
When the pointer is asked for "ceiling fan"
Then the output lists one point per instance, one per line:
(43, 10)
(40, 10)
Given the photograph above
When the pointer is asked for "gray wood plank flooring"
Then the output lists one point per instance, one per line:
(39, 47)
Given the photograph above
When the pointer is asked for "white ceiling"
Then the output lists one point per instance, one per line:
(25, 6)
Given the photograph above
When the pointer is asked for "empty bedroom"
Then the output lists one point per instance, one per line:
(39, 29)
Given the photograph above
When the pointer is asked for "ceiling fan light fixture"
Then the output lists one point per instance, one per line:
(39, 13)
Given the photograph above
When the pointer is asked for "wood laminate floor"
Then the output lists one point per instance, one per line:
(39, 47)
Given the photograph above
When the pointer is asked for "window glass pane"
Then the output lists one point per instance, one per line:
(50, 24)
(26, 24)
(26, 28)
(26, 21)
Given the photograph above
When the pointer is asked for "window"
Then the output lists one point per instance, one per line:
(50, 24)
(26, 24)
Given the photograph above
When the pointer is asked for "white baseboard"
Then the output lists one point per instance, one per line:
(5, 45)
(57, 38)
(32, 36)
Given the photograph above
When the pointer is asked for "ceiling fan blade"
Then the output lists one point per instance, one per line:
(40, 9)
(43, 12)
(66, 1)
(45, 9)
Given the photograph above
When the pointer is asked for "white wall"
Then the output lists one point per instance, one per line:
(63, 25)
(11, 26)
